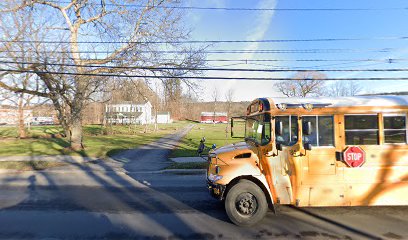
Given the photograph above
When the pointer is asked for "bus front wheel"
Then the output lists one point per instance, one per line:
(246, 203)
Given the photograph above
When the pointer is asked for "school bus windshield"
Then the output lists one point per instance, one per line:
(258, 129)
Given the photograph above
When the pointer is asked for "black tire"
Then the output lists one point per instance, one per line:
(246, 203)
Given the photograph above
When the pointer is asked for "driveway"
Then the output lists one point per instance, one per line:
(153, 156)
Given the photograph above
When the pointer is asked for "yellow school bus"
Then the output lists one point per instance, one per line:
(349, 151)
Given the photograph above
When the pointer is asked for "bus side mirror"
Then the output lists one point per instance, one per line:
(279, 128)
(237, 123)
(232, 127)
(307, 128)
(307, 146)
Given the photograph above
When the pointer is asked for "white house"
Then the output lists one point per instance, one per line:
(164, 117)
(129, 113)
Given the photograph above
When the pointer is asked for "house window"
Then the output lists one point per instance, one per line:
(361, 129)
(289, 132)
(395, 129)
(322, 130)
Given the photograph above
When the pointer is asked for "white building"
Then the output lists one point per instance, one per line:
(9, 116)
(42, 120)
(129, 113)
(164, 117)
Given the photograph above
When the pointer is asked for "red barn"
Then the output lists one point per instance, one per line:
(211, 117)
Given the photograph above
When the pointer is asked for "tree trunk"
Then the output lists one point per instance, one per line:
(76, 135)
(21, 126)
(67, 131)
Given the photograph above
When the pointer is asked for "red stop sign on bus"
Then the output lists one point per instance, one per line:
(354, 156)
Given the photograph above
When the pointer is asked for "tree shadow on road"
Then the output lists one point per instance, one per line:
(100, 200)
(113, 203)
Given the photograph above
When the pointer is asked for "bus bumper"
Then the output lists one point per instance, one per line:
(216, 190)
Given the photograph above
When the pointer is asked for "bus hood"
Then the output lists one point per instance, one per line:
(229, 152)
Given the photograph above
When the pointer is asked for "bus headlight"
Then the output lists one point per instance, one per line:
(213, 177)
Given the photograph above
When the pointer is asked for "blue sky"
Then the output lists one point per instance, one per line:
(260, 25)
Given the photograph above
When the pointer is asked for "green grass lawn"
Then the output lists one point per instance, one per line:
(213, 134)
(44, 140)
(189, 165)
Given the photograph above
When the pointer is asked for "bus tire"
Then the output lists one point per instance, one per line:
(246, 203)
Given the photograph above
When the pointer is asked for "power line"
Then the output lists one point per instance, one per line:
(247, 9)
(385, 60)
(195, 77)
(240, 51)
(257, 61)
(210, 41)
(207, 69)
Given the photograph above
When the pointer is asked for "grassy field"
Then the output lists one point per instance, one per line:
(30, 165)
(47, 140)
(218, 134)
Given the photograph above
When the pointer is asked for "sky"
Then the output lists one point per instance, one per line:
(379, 28)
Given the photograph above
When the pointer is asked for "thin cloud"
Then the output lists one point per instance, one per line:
(261, 25)
(197, 16)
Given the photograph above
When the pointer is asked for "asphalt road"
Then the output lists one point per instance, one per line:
(101, 202)
(168, 206)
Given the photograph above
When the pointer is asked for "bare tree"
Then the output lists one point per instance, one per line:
(20, 100)
(191, 107)
(344, 88)
(305, 83)
(173, 94)
(214, 95)
(131, 90)
(229, 98)
(68, 45)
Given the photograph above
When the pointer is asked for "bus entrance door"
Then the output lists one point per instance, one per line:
(322, 184)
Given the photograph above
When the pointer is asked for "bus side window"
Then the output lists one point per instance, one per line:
(284, 138)
(322, 130)
(312, 138)
(395, 130)
(326, 130)
(289, 131)
(361, 129)
(293, 130)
